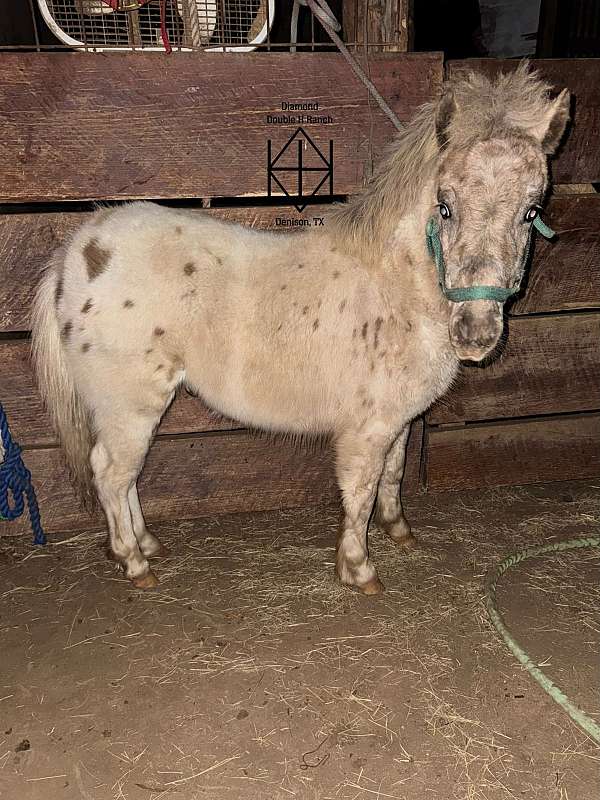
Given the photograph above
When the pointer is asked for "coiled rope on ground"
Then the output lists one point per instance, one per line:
(585, 722)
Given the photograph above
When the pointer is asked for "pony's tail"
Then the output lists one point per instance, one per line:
(67, 412)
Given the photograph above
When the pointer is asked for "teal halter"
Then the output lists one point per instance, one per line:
(497, 293)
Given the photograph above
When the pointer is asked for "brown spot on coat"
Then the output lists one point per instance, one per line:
(149, 350)
(408, 325)
(86, 306)
(189, 268)
(284, 287)
(342, 306)
(58, 292)
(315, 324)
(364, 330)
(335, 274)
(96, 258)
(178, 230)
(159, 367)
(85, 347)
(378, 324)
(300, 266)
(305, 309)
(354, 333)
(159, 331)
(128, 304)
(66, 330)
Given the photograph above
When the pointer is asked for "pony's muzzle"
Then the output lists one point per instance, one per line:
(475, 327)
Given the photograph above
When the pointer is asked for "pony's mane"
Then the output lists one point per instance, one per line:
(513, 101)
(368, 218)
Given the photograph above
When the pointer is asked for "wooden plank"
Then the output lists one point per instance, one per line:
(28, 239)
(579, 158)
(367, 23)
(30, 424)
(565, 272)
(507, 454)
(196, 476)
(94, 126)
(550, 365)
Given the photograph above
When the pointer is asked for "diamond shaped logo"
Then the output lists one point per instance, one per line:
(300, 169)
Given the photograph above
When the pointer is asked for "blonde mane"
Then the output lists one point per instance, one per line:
(367, 219)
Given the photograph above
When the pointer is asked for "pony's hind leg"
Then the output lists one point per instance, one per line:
(360, 458)
(116, 460)
(389, 515)
(149, 544)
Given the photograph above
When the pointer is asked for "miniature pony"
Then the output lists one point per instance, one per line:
(344, 330)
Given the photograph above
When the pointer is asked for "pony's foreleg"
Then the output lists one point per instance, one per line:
(149, 544)
(389, 515)
(116, 460)
(360, 458)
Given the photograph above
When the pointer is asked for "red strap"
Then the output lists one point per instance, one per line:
(163, 26)
(122, 5)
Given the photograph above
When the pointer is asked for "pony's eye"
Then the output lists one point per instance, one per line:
(444, 211)
(531, 214)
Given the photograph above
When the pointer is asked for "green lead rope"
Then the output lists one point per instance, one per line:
(464, 293)
(589, 725)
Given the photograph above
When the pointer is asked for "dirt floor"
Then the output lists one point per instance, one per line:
(249, 673)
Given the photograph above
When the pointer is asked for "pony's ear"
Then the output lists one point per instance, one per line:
(551, 127)
(443, 116)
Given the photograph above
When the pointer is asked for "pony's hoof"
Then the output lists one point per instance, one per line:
(399, 532)
(407, 541)
(147, 581)
(374, 586)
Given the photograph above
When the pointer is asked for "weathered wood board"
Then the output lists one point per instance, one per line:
(513, 453)
(27, 240)
(550, 364)
(95, 126)
(564, 273)
(194, 476)
(31, 426)
(578, 160)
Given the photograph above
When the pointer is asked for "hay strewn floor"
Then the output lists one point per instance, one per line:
(250, 674)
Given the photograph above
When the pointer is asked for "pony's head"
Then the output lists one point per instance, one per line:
(494, 138)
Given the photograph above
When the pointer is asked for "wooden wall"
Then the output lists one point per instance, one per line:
(80, 127)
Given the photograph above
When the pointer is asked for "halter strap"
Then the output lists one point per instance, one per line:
(464, 293)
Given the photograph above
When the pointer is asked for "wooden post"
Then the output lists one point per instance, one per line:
(377, 22)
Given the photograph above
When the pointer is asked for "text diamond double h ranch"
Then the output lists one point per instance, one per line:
(303, 162)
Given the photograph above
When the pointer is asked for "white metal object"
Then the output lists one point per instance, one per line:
(214, 25)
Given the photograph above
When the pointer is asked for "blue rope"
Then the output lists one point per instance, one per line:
(16, 478)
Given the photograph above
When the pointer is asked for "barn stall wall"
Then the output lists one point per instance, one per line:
(81, 127)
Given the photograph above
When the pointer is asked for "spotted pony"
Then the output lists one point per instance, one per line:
(342, 330)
